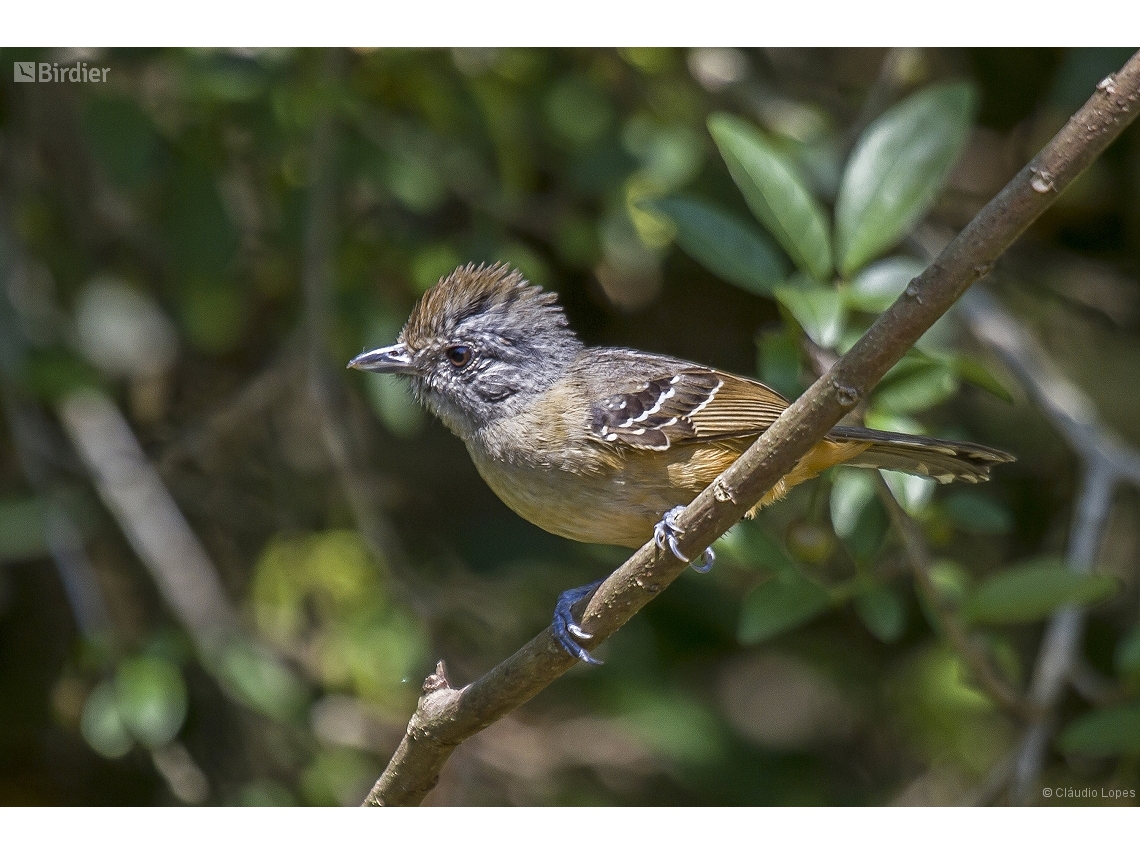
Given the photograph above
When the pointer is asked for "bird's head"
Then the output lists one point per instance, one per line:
(478, 344)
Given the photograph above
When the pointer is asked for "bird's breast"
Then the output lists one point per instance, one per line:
(589, 493)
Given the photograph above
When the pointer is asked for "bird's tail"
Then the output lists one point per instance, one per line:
(941, 459)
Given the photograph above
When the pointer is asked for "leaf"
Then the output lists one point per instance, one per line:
(899, 164)
(851, 492)
(1033, 590)
(749, 545)
(883, 612)
(880, 284)
(1104, 732)
(975, 371)
(977, 513)
(817, 308)
(151, 699)
(258, 680)
(780, 604)
(1126, 659)
(915, 383)
(775, 193)
(102, 725)
(912, 492)
(733, 250)
(778, 361)
(950, 580)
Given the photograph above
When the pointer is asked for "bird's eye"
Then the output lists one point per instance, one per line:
(459, 355)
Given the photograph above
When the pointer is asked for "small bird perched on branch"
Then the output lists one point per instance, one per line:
(606, 444)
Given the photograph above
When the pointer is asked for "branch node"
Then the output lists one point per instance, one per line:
(847, 396)
(1042, 181)
(1108, 85)
(437, 680)
(722, 492)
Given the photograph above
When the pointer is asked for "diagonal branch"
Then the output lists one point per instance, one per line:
(447, 716)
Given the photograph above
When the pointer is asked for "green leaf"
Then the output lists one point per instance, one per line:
(817, 308)
(878, 285)
(778, 361)
(915, 383)
(151, 699)
(749, 545)
(975, 371)
(102, 725)
(733, 250)
(1033, 590)
(780, 604)
(259, 681)
(851, 492)
(883, 611)
(1126, 659)
(1104, 732)
(899, 164)
(912, 492)
(950, 580)
(977, 513)
(775, 193)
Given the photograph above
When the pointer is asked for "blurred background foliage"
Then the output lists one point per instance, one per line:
(190, 253)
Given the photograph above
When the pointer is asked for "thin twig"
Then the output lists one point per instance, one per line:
(989, 679)
(447, 716)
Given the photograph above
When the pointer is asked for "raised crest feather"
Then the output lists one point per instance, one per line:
(497, 294)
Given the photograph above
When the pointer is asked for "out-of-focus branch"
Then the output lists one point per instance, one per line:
(989, 679)
(149, 517)
(1106, 462)
(447, 716)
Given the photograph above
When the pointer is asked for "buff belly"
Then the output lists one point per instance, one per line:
(614, 504)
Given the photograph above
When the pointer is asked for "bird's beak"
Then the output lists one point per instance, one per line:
(393, 359)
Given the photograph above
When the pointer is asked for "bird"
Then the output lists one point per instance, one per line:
(606, 444)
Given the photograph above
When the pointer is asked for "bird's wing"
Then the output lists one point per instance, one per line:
(686, 403)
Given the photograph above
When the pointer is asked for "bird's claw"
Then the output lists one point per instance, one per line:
(566, 631)
(666, 531)
(665, 535)
(707, 560)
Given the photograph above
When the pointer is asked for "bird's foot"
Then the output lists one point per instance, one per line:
(566, 631)
(665, 535)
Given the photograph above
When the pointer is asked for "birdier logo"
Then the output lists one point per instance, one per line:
(53, 72)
